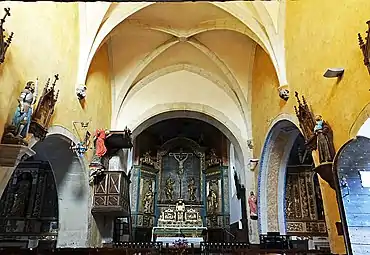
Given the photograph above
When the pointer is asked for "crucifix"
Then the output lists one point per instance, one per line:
(181, 157)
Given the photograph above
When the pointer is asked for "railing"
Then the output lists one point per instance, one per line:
(152, 248)
(229, 234)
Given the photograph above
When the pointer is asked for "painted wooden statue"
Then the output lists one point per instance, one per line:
(252, 202)
(324, 139)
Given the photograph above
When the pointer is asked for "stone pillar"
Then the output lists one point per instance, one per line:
(10, 156)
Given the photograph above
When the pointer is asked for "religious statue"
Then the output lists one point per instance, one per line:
(252, 202)
(324, 140)
(99, 143)
(169, 189)
(192, 189)
(22, 117)
(148, 199)
(98, 162)
(212, 201)
(181, 157)
(21, 196)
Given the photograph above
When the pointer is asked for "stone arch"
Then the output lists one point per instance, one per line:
(206, 114)
(72, 183)
(272, 174)
(361, 125)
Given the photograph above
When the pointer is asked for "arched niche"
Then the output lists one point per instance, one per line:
(29, 207)
(235, 140)
(352, 169)
(72, 185)
(238, 155)
(272, 176)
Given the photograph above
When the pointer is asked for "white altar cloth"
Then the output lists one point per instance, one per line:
(170, 240)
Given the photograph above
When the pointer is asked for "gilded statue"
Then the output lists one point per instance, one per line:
(168, 189)
(325, 145)
(212, 201)
(148, 199)
(192, 190)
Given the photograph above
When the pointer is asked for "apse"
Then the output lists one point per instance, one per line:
(180, 179)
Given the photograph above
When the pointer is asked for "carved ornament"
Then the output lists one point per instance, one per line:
(146, 159)
(212, 159)
(44, 111)
(284, 92)
(4, 44)
(365, 46)
(306, 121)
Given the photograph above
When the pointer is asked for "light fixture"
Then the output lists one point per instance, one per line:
(253, 162)
(365, 178)
(334, 72)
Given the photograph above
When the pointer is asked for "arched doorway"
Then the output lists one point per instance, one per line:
(289, 194)
(163, 146)
(352, 166)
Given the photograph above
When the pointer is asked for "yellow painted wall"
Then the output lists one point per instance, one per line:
(46, 40)
(317, 37)
(42, 46)
(266, 104)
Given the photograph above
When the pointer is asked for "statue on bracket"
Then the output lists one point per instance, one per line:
(192, 189)
(252, 202)
(168, 189)
(99, 161)
(148, 199)
(44, 111)
(324, 140)
(17, 131)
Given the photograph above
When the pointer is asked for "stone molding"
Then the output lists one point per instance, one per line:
(12, 154)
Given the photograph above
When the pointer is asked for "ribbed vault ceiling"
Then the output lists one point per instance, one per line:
(165, 37)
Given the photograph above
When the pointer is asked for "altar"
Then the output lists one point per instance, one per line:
(179, 221)
(182, 193)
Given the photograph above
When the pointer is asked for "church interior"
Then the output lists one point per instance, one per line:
(233, 127)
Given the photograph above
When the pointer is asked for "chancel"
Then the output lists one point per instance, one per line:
(191, 184)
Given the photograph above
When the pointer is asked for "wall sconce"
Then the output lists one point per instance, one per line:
(334, 73)
(4, 44)
(253, 163)
(83, 145)
(365, 47)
